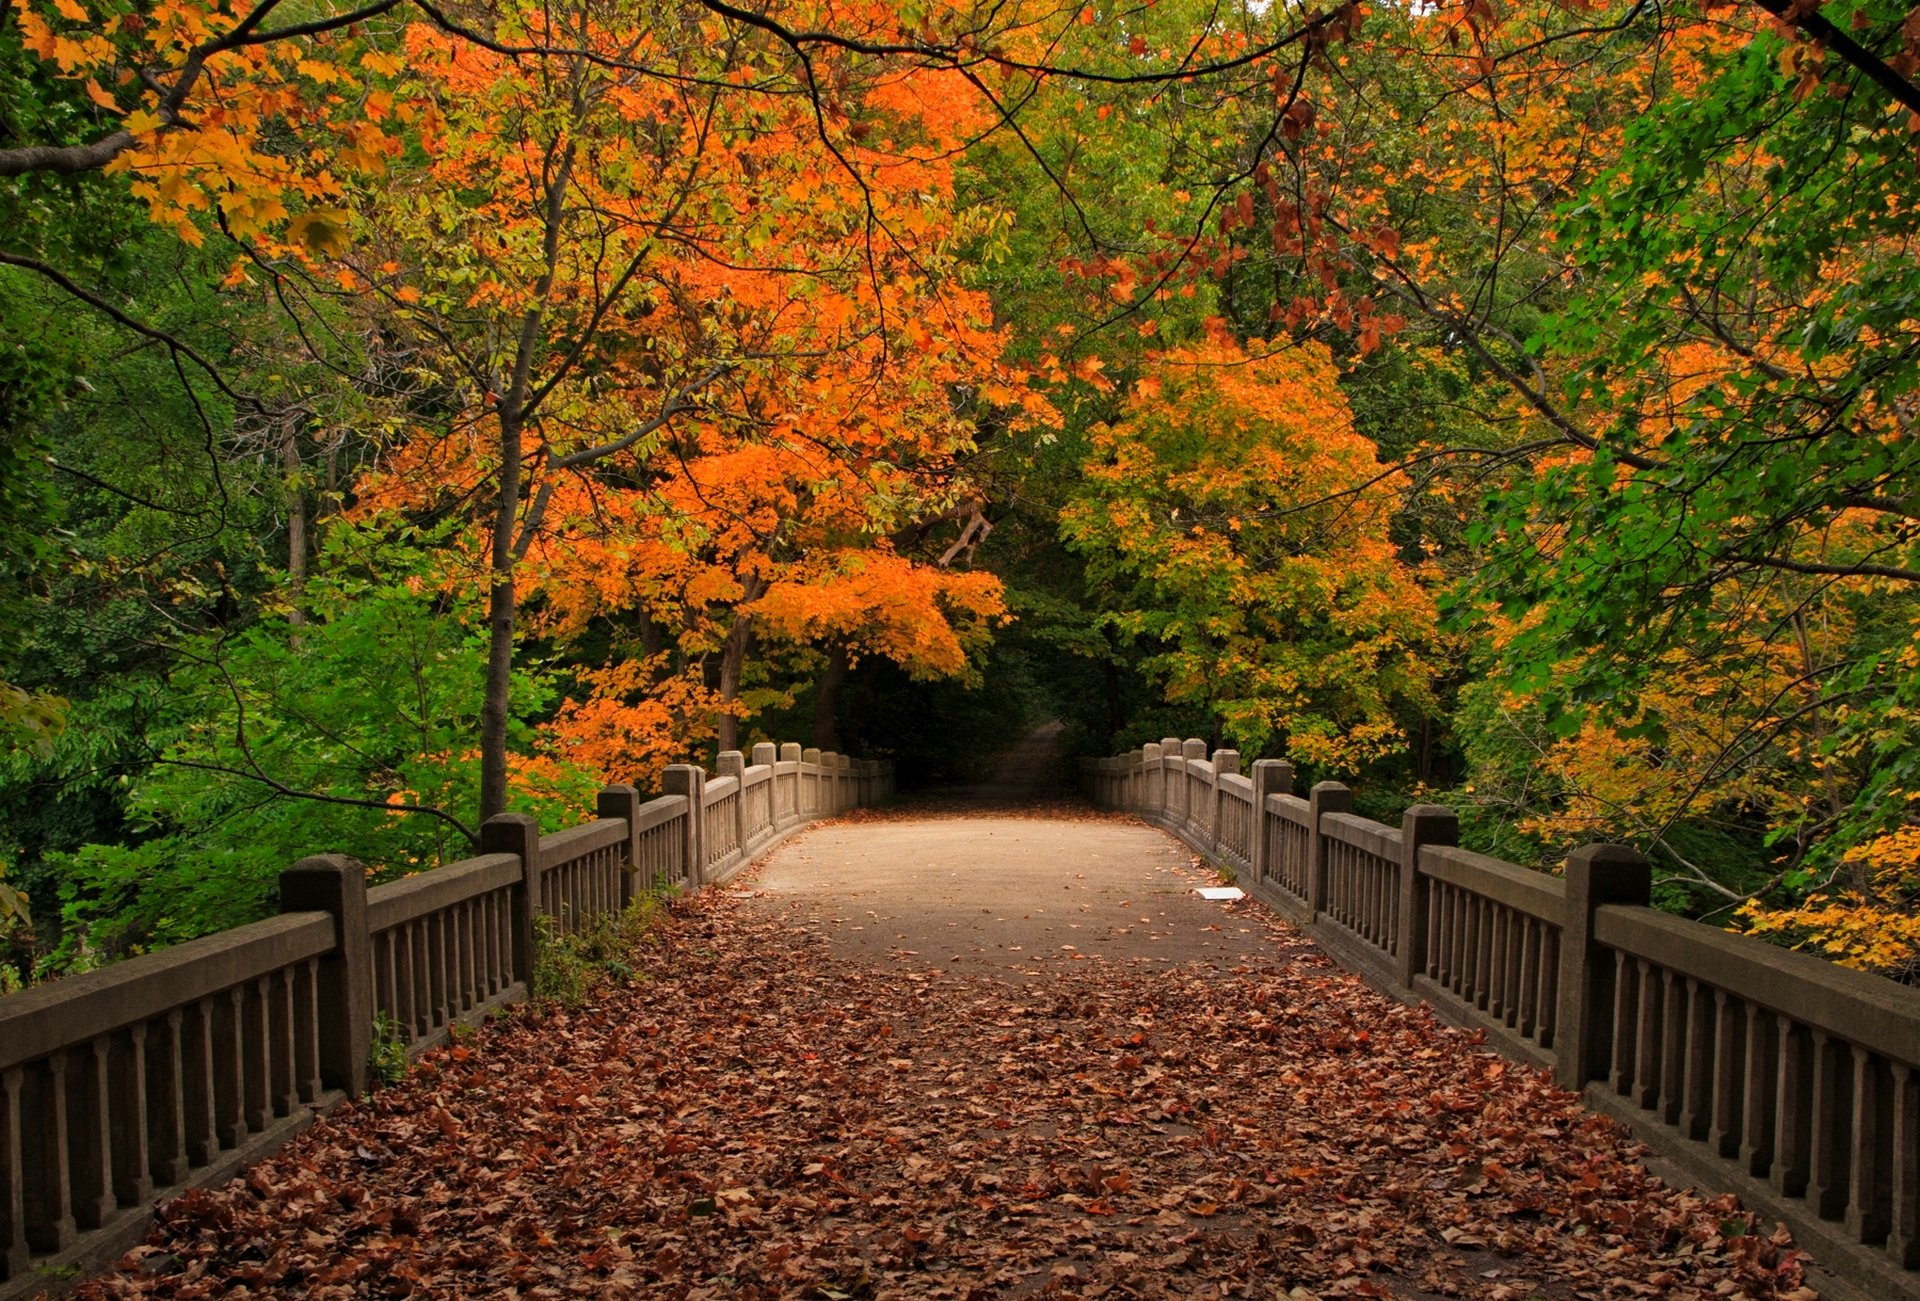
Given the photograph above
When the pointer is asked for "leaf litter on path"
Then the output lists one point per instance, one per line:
(754, 1117)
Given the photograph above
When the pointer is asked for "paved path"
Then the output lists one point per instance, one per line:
(1018, 895)
(915, 1054)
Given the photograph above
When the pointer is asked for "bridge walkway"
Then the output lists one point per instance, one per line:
(987, 1048)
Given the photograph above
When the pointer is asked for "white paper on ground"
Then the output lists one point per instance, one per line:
(1220, 892)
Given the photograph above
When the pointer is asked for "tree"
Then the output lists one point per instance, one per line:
(1253, 522)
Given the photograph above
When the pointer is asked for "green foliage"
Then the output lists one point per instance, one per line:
(287, 739)
(566, 967)
(387, 1059)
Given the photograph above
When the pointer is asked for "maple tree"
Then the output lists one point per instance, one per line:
(1254, 520)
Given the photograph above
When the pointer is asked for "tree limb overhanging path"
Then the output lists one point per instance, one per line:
(966, 1052)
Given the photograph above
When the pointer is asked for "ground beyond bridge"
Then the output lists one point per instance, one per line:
(970, 1051)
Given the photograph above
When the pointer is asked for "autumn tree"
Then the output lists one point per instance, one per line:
(1252, 522)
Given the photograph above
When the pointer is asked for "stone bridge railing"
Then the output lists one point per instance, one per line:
(124, 1086)
(1777, 1075)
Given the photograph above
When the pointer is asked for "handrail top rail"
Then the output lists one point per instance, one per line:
(62, 1013)
(412, 897)
(1855, 1007)
(563, 847)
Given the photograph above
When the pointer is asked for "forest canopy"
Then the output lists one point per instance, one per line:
(411, 411)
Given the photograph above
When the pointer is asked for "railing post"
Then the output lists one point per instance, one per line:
(1596, 875)
(620, 801)
(1270, 777)
(1423, 824)
(1224, 762)
(519, 834)
(1324, 798)
(333, 883)
(690, 780)
(731, 763)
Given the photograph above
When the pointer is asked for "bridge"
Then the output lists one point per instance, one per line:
(996, 1045)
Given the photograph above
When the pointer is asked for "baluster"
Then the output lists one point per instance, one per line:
(127, 1106)
(13, 1177)
(1832, 1109)
(420, 992)
(1549, 986)
(1483, 954)
(1673, 1047)
(44, 1161)
(1868, 1213)
(255, 1046)
(229, 1070)
(1903, 1232)
(306, 1037)
(1695, 1099)
(1626, 1006)
(1760, 1079)
(89, 1142)
(1530, 977)
(1436, 930)
(437, 968)
(1646, 1050)
(1497, 971)
(167, 1153)
(284, 1088)
(1792, 1097)
(1728, 1038)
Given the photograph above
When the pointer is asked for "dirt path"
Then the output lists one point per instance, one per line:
(839, 1077)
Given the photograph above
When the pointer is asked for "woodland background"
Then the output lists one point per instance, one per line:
(414, 411)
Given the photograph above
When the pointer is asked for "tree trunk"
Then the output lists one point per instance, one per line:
(826, 698)
(733, 662)
(296, 535)
(500, 611)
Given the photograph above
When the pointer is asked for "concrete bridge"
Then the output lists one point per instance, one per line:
(998, 1044)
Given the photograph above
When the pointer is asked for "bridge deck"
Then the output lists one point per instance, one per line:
(954, 1057)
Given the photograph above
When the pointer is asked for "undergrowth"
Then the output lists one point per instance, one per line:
(567, 967)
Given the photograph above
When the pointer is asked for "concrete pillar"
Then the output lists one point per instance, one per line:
(624, 802)
(1270, 777)
(519, 834)
(1423, 824)
(1597, 875)
(1324, 798)
(690, 780)
(336, 884)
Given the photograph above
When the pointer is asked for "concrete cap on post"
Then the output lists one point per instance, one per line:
(765, 754)
(1423, 824)
(1597, 875)
(621, 801)
(789, 752)
(810, 755)
(729, 763)
(1324, 798)
(336, 884)
(689, 780)
(519, 834)
(1226, 761)
(1193, 748)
